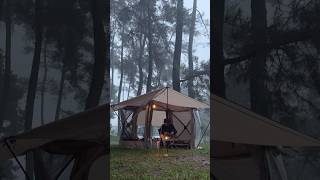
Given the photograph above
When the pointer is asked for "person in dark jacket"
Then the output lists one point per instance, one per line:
(167, 131)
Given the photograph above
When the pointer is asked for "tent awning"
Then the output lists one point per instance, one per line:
(236, 124)
(87, 126)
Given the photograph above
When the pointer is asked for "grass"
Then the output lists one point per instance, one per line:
(114, 140)
(150, 164)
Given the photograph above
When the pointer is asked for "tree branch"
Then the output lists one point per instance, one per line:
(275, 41)
(193, 75)
(201, 18)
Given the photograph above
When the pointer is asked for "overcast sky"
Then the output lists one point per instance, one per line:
(201, 43)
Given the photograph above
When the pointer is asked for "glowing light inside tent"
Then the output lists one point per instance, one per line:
(154, 106)
(166, 137)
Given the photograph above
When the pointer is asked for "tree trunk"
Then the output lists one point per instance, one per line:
(159, 77)
(33, 80)
(44, 81)
(177, 48)
(258, 90)
(98, 13)
(1, 63)
(112, 65)
(190, 48)
(216, 63)
(123, 89)
(121, 66)
(1, 8)
(121, 77)
(140, 84)
(150, 47)
(7, 69)
(60, 93)
(39, 163)
(129, 88)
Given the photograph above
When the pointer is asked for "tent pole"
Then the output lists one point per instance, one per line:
(17, 160)
(203, 135)
(167, 110)
(147, 125)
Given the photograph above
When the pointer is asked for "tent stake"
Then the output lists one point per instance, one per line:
(17, 160)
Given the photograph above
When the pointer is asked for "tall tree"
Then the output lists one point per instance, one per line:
(150, 44)
(69, 58)
(257, 69)
(44, 81)
(7, 69)
(216, 62)
(61, 87)
(190, 49)
(140, 65)
(121, 64)
(177, 47)
(98, 13)
(33, 80)
(121, 75)
(142, 42)
(112, 44)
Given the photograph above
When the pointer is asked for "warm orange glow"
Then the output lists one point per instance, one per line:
(166, 137)
(154, 106)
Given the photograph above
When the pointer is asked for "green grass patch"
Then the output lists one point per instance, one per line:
(152, 164)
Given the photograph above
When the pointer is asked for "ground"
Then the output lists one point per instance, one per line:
(153, 164)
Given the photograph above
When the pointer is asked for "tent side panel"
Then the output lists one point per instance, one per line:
(183, 123)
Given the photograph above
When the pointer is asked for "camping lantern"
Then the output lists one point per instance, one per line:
(154, 106)
(166, 138)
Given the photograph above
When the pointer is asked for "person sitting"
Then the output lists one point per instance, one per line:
(167, 131)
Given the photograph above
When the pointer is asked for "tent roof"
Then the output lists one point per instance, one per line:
(87, 126)
(176, 100)
(236, 124)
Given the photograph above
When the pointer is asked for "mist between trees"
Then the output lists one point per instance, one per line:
(53, 62)
(154, 44)
(54, 58)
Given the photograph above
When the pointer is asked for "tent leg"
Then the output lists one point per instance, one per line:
(203, 135)
(17, 160)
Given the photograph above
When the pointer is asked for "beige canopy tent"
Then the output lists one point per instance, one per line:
(150, 110)
(237, 134)
(82, 137)
(243, 141)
